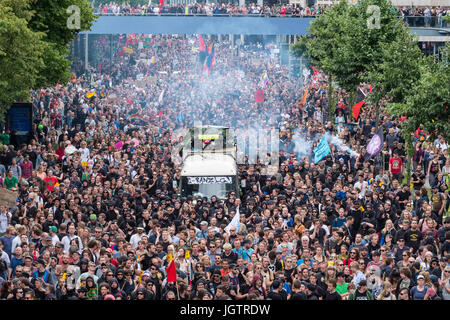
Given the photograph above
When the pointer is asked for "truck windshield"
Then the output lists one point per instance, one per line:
(207, 186)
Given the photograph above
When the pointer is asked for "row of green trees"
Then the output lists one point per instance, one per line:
(366, 43)
(34, 44)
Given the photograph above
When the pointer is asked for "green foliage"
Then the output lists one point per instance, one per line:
(426, 106)
(21, 53)
(34, 40)
(395, 76)
(341, 43)
(51, 18)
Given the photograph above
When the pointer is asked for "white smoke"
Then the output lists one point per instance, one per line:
(303, 147)
(340, 144)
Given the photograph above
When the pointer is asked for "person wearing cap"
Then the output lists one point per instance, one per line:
(42, 273)
(419, 291)
(52, 231)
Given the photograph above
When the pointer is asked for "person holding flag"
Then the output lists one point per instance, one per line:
(235, 222)
(171, 271)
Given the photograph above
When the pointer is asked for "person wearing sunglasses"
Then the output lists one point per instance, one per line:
(445, 283)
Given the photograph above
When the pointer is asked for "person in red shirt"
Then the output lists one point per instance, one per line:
(396, 167)
(60, 151)
(50, 181)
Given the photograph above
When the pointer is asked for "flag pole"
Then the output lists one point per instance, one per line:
(178, 291)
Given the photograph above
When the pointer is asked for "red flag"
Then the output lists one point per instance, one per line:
(402, 118)
(259, 95)
(201, 43)
(370, 89)
(357, 108)
(171, 272)
(417, 132)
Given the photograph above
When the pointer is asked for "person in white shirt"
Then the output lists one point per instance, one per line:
(67, 239)
(358, 275)
(4, 219)
(361, 185)
(84, 152)
(135, 238)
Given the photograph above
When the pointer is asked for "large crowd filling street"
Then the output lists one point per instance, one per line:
(99, 215)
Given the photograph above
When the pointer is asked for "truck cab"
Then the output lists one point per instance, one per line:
(209, 163)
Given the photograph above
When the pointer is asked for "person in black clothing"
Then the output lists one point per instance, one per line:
(331, 293)
(399, 249)
(297, 293)
(413, 236)
(275, 293)
(228, 254)
(418, 178)
(401, 233)
(310, 291)
(214, 282)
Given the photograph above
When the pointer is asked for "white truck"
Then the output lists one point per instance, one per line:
(209, 163)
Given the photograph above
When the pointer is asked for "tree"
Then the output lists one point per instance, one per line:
(34, 40)
(21, 53)
(428, 105)
(321, 45)
(53, 18)
(395, 77)
(345, 43)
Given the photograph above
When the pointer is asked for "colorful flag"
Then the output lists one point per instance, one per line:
(210, 61)
(259, 95)
(202, 50)
(265, 79)
(417, 132)
(303, 101)
(119, 145)
(359, 103)
(321, 150)
(136, 119)
(375, 144)
(201, 43)
(171, 272)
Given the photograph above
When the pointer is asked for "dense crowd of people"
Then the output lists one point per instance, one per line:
(99, 215)
(210, 9)
(431, 15)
